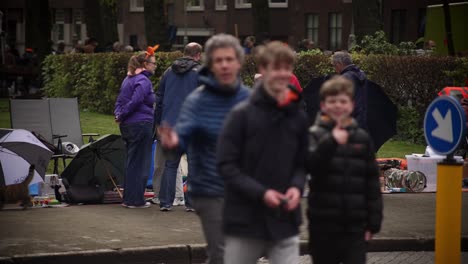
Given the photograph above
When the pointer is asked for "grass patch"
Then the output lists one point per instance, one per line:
(104, 124)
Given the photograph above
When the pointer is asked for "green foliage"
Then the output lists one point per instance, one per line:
(408, 80)
(459, 74)
(94, 78)
(409, 125)
(378, 44)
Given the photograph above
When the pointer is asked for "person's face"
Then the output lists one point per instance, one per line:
(150, 64)
(337, 107)
(276, 76)
(225, 65)
(338, 67)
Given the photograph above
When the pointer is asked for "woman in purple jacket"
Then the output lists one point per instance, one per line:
(134, 112)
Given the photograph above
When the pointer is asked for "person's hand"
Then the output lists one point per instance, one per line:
(368, 235)
(116, 119)
(273, 198)
(169, 138)
(340, 134)
(293, 194)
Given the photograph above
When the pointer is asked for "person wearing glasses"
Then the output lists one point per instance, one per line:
(134, 114)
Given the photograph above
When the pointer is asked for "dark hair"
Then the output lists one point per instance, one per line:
(335, 86)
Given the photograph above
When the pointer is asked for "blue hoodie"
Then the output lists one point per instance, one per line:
(176, 84)
(198, 127)
(136, 99)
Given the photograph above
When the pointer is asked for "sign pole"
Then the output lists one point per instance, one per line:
(448, 211)
(444, 130)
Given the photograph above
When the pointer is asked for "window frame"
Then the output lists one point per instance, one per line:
(221, 7)
(335, 30)
(241, 5)
(278, 5)
(312, 29)
(135, 8)
(191, 8)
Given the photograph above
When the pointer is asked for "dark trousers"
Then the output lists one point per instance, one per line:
(335, 248)
(138, 139)
(168, 181)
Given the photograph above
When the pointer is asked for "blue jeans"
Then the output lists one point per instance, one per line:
(138, 138)
(168, 182)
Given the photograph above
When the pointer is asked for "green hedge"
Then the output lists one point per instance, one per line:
(412, 82)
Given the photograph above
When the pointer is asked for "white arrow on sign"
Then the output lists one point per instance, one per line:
(444, 129)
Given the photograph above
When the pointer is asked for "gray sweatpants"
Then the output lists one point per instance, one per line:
(247, 250)
(210, 212)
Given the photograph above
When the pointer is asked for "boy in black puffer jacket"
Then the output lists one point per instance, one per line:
(345, 203)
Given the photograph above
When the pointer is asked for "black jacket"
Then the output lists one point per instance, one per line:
(358, 77)
(344, 187)
(262, 147)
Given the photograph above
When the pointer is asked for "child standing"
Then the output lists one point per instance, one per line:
(345, 203)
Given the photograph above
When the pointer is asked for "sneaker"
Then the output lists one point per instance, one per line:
(155, 200)
(178, 201)
(165, 208)
(146, 205)
(189, 209)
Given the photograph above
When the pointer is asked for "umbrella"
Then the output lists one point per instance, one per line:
(101, 162)
(18, 150)
(381, 112)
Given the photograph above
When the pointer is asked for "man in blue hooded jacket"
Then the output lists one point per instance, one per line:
(177, 83)
(197, 129)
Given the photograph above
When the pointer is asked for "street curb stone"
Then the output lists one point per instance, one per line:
(194, 253)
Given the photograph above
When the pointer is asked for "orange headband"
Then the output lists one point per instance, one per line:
(150, 50)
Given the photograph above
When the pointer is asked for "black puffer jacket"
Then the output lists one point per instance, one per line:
(344, 187)
(262, 147)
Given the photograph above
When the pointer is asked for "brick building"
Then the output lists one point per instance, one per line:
(328, 23)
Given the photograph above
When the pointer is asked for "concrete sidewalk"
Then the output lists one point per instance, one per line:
(111, 233)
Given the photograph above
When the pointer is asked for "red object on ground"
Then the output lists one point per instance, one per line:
(401, 164)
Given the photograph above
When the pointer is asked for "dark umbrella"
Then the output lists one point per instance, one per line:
(99, 163)
(381, 112)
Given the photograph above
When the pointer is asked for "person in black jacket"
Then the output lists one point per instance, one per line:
(261, 156)
(345, 203)
(343, 64)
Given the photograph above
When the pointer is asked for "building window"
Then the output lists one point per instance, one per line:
(137, 6)
(398, 26)
(312, 27)
(278, 3)
(243, 3)
(335, 24)
(221, 4)
(58, 29)
(195, 5)
(77, 16)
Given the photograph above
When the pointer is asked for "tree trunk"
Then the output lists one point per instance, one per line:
(261, 20)
(38, 27)
(448, 28)
(366, 17)
(156, 24)
(101, 21)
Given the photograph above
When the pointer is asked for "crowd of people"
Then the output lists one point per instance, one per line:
(249, 152)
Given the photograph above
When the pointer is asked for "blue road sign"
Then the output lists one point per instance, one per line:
(444, 125)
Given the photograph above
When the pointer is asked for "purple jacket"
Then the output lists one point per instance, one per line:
(136, 99)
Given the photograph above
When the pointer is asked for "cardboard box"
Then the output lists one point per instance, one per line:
(428, 166)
